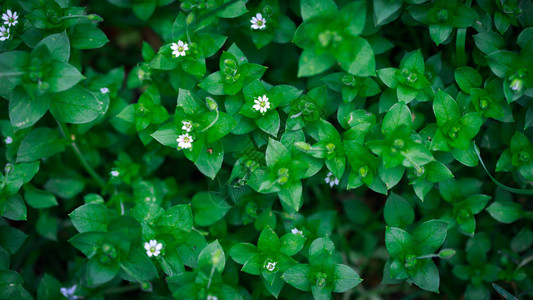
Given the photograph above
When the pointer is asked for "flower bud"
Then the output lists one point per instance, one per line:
(446, 253)
(211, 104)
(95, 18)
(302, 146)
(8, 168)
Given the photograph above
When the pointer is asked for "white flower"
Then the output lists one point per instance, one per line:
(187, 126)
(331, 180)
(10, 18)
(296, 231)
(179, 48)
(114, 173)
(153, 248)
(8, 140)
(258, 22)
(4, 33)
(211, 297)
(184, 141)
(104, 90)
(271, 266)
(261, 104)
(69, 292)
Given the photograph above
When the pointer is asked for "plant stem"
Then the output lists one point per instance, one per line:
(65, 132)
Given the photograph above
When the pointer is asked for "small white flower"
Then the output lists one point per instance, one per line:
(4, 33)
(211, 297)
(271, 266)
(261, 104)
(153, 248)
(258, 22)
(187, 126)
(114, 173)
(179, 48)
(69, 292)
(8, 140)
(104, 90)
(185, 141)
(296, 231)
(331, 180)
(10, 18)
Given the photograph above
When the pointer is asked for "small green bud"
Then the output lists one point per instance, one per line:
(8, 168)
(211, 104)
(330, 148)
(363, 171)
(321, 279)
(348, 80)
(419, 171)
(146, 286)
(230, 63)
(95, 18)
(268, 10)
(442, 15)
(302, 146)
(446, 253)
(464, 214)
(452, 134)
(398, 144)
(410, 262)
(523, 156)
(484, 102)
(190, 18)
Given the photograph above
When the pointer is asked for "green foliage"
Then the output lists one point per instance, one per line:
(235, 149)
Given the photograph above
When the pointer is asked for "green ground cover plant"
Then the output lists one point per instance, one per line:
(234, 149)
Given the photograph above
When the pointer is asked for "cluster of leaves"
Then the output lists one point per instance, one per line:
(250, 149)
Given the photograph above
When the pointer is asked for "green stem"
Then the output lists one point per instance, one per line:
(65, 132)
(212, 123)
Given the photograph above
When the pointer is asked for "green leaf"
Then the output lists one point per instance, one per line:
(298, 277)
(38, 198)
(269, 123)
(99, 273)
(242, 252)
(58, 45)
(291, 243)
(10, 281)
(40, 143)
(138, 266)
(357, 57)
(505, 211)
(398, 212)
(345, 278)
(77, 106)
(268, 241)
(233, 10)
(440, 32)
(445, 108)
(177, 217)
(210, 159)
(311, 63)
(398, 115)
(276, 152)
(208, 208)
(87, 36)
(91, 217)
(317, 8)
(11, 239)
(430, 235)
(399, 242)
(212, 256)
(63, 76)
(468, 78)
(427, 276)
(25, 111)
